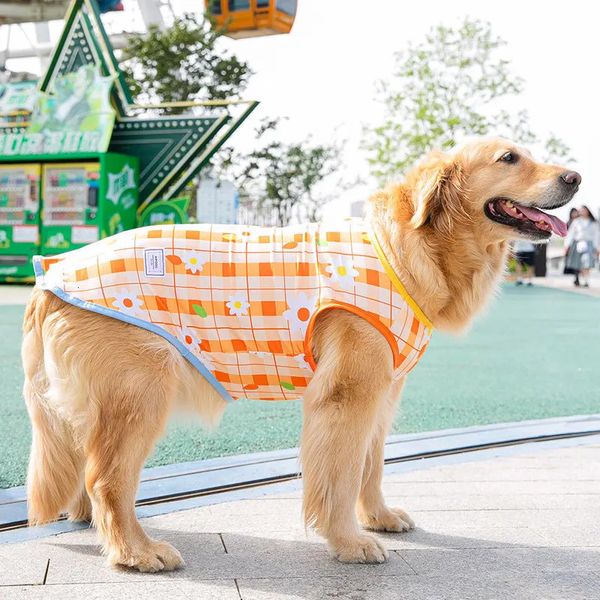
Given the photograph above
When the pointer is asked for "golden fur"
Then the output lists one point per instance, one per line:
(92, 433)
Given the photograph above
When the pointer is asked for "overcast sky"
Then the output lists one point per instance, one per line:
(322, 76)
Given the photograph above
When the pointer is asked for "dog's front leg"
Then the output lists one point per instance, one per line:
(372, 510)
(341, 412)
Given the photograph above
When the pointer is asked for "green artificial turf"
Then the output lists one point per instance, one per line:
(534, 355)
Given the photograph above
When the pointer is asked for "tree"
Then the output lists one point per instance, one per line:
(453, 84)
(182, 63)
(281, 181)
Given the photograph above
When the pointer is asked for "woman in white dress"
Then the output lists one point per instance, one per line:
(582, 245)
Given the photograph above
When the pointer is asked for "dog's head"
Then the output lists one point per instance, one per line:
(494, 186)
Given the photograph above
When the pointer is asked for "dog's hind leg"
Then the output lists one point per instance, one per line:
(341, 411)
(55, 463)
(132, 410)
(372, 510)
(80, 508)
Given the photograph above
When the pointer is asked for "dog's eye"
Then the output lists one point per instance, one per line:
(508, 157)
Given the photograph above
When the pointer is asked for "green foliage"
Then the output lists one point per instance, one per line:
(453, 84)
(280, 181)
(556, 150)
(182, 63)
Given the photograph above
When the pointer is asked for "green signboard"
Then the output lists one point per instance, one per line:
(76, 118)
(17, 96)
(165, 211)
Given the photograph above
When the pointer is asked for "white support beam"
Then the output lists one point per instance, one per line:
(151, 14)
(118, 41)
(42, 38)
(32, 11)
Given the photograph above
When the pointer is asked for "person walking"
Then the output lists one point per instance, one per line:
(573, 214)
(582, 245)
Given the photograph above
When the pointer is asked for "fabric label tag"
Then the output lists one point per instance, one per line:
(154, 262)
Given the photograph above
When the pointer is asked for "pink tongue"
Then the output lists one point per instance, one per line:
(558, 227)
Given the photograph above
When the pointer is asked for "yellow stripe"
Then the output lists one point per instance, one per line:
(397, 283)
(190, 104)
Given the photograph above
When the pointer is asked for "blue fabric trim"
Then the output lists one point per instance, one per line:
(37, 266)
(138, 323)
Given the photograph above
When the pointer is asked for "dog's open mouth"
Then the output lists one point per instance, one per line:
(525, 219)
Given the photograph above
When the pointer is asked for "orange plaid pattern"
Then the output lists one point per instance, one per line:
(240, 302)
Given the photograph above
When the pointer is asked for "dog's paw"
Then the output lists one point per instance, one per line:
(361, 549)
(388, 519)
(150, 558)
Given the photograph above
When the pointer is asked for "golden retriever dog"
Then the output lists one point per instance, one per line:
(445, 231)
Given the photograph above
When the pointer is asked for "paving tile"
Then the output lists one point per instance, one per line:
(588, 536)
(484, 537)
(553, 586)
(509, 562)
(232, 517)
(88, 537)
(510, 473)
(258, 506)
(495, 501)
(571, 464)
(291, 559)
(512, 488)
(19, 566)
(149, 589)
(445, 538)
(76, 558)
(536, 519)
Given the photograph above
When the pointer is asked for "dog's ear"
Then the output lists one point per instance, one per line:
(438, 188)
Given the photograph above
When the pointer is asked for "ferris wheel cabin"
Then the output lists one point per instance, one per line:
(252, 18)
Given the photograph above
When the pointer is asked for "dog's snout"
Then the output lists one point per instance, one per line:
(571, 178)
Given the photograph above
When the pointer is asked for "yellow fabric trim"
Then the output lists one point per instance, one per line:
(397, 283)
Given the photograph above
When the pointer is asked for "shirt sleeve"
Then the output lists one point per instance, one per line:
(570, 234)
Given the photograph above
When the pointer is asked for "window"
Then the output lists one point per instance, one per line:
(262, 3)
(239, 5)
(287, 6)
(215, 7)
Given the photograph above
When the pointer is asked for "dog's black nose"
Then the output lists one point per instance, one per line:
(571, 177)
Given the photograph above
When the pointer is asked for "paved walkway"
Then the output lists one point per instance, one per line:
(14, 294)
(565, 282)
(522, 524)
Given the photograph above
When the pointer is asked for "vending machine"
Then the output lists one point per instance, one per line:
(49, 207)
(19, 219)
(86, 201)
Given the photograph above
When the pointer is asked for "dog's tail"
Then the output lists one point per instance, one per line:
(54, 476)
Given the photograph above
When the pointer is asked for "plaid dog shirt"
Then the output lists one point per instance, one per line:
(240, 302)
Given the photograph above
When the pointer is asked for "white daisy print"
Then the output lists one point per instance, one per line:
(342, 270)
(189, 338)
(301, 308)
(301, 362)
(238, 305)
(128, 303)
(193, 261)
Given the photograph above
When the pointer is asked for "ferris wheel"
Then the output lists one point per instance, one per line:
(25, 32)
(25, 27)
